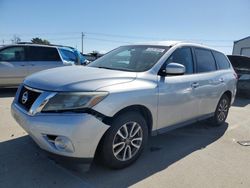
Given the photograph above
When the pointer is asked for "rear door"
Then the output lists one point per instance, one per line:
(210, 82)
(42, 58)
(13, 65)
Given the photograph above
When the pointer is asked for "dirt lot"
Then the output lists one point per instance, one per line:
(195, 156)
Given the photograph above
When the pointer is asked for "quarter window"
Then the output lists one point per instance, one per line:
(37, 53)
(221, 60)
(205, 60)
(183, 56)
(12, 54)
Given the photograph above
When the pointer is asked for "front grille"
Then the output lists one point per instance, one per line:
(27, 97)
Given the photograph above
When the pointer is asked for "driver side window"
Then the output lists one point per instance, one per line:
(183, 56)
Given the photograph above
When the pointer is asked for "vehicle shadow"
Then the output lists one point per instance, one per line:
(22, 163)
(163, 151)
(7, 92)
(241, 102)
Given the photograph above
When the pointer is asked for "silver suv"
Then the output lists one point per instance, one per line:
(117, 101)
(20, 60)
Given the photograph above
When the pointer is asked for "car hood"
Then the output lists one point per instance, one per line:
(77, 78)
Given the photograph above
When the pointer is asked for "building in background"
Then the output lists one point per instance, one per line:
(242, 47)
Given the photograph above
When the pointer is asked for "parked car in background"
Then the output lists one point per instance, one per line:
(241, 65)
(111, 106)
(20, 60)
(88, 58)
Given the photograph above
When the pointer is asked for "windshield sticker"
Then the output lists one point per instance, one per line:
(160, 50)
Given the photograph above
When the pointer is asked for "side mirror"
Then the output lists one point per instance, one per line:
(175, 69)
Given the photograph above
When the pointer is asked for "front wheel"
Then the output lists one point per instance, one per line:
(125, 140)
(221, 111)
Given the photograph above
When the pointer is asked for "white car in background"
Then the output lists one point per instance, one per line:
(20, 60)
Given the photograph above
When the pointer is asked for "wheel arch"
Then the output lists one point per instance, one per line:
(228, 94)
(143, 110)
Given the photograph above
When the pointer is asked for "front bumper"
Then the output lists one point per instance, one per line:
(83, 130)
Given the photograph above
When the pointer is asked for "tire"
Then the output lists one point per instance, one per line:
(120, 148)
(221, 111)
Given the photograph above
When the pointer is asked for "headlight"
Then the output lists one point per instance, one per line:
(74, 100)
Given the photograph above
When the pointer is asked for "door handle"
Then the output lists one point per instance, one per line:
(195, 85)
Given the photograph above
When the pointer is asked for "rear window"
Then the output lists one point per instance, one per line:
(205, 60)
(37, 53)
(221, 60)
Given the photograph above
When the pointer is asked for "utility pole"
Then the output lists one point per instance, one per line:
(82, 41)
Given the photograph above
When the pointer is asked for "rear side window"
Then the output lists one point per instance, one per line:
(37, 53)
(205, 60)
(183, 56)
(12, 54)
(221, 60)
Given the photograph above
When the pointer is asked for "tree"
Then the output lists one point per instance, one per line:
(40, 41)
(16, 39)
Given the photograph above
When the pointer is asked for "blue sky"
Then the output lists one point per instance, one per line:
(111, 23)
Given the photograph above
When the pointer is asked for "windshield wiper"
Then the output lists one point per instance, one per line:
(105, 68)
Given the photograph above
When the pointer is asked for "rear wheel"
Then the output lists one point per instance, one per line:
(221, 111)
(125, 140)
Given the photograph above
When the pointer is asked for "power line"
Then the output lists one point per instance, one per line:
(121, 36)
(208, 42)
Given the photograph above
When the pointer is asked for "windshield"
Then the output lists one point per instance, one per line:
(68, 55)
(131, 58)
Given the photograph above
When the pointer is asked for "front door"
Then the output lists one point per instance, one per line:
(177, 100)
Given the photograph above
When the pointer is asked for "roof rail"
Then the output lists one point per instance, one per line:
(25, 43)
(45, 44)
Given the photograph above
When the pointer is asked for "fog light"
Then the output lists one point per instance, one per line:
(62, 143)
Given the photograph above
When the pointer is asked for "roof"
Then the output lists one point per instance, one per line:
(53, 45)
(29, 44)
(242, 39)
(41, 45)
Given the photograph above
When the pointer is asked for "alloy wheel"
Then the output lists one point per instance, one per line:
(222, 110)
(127, 141)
